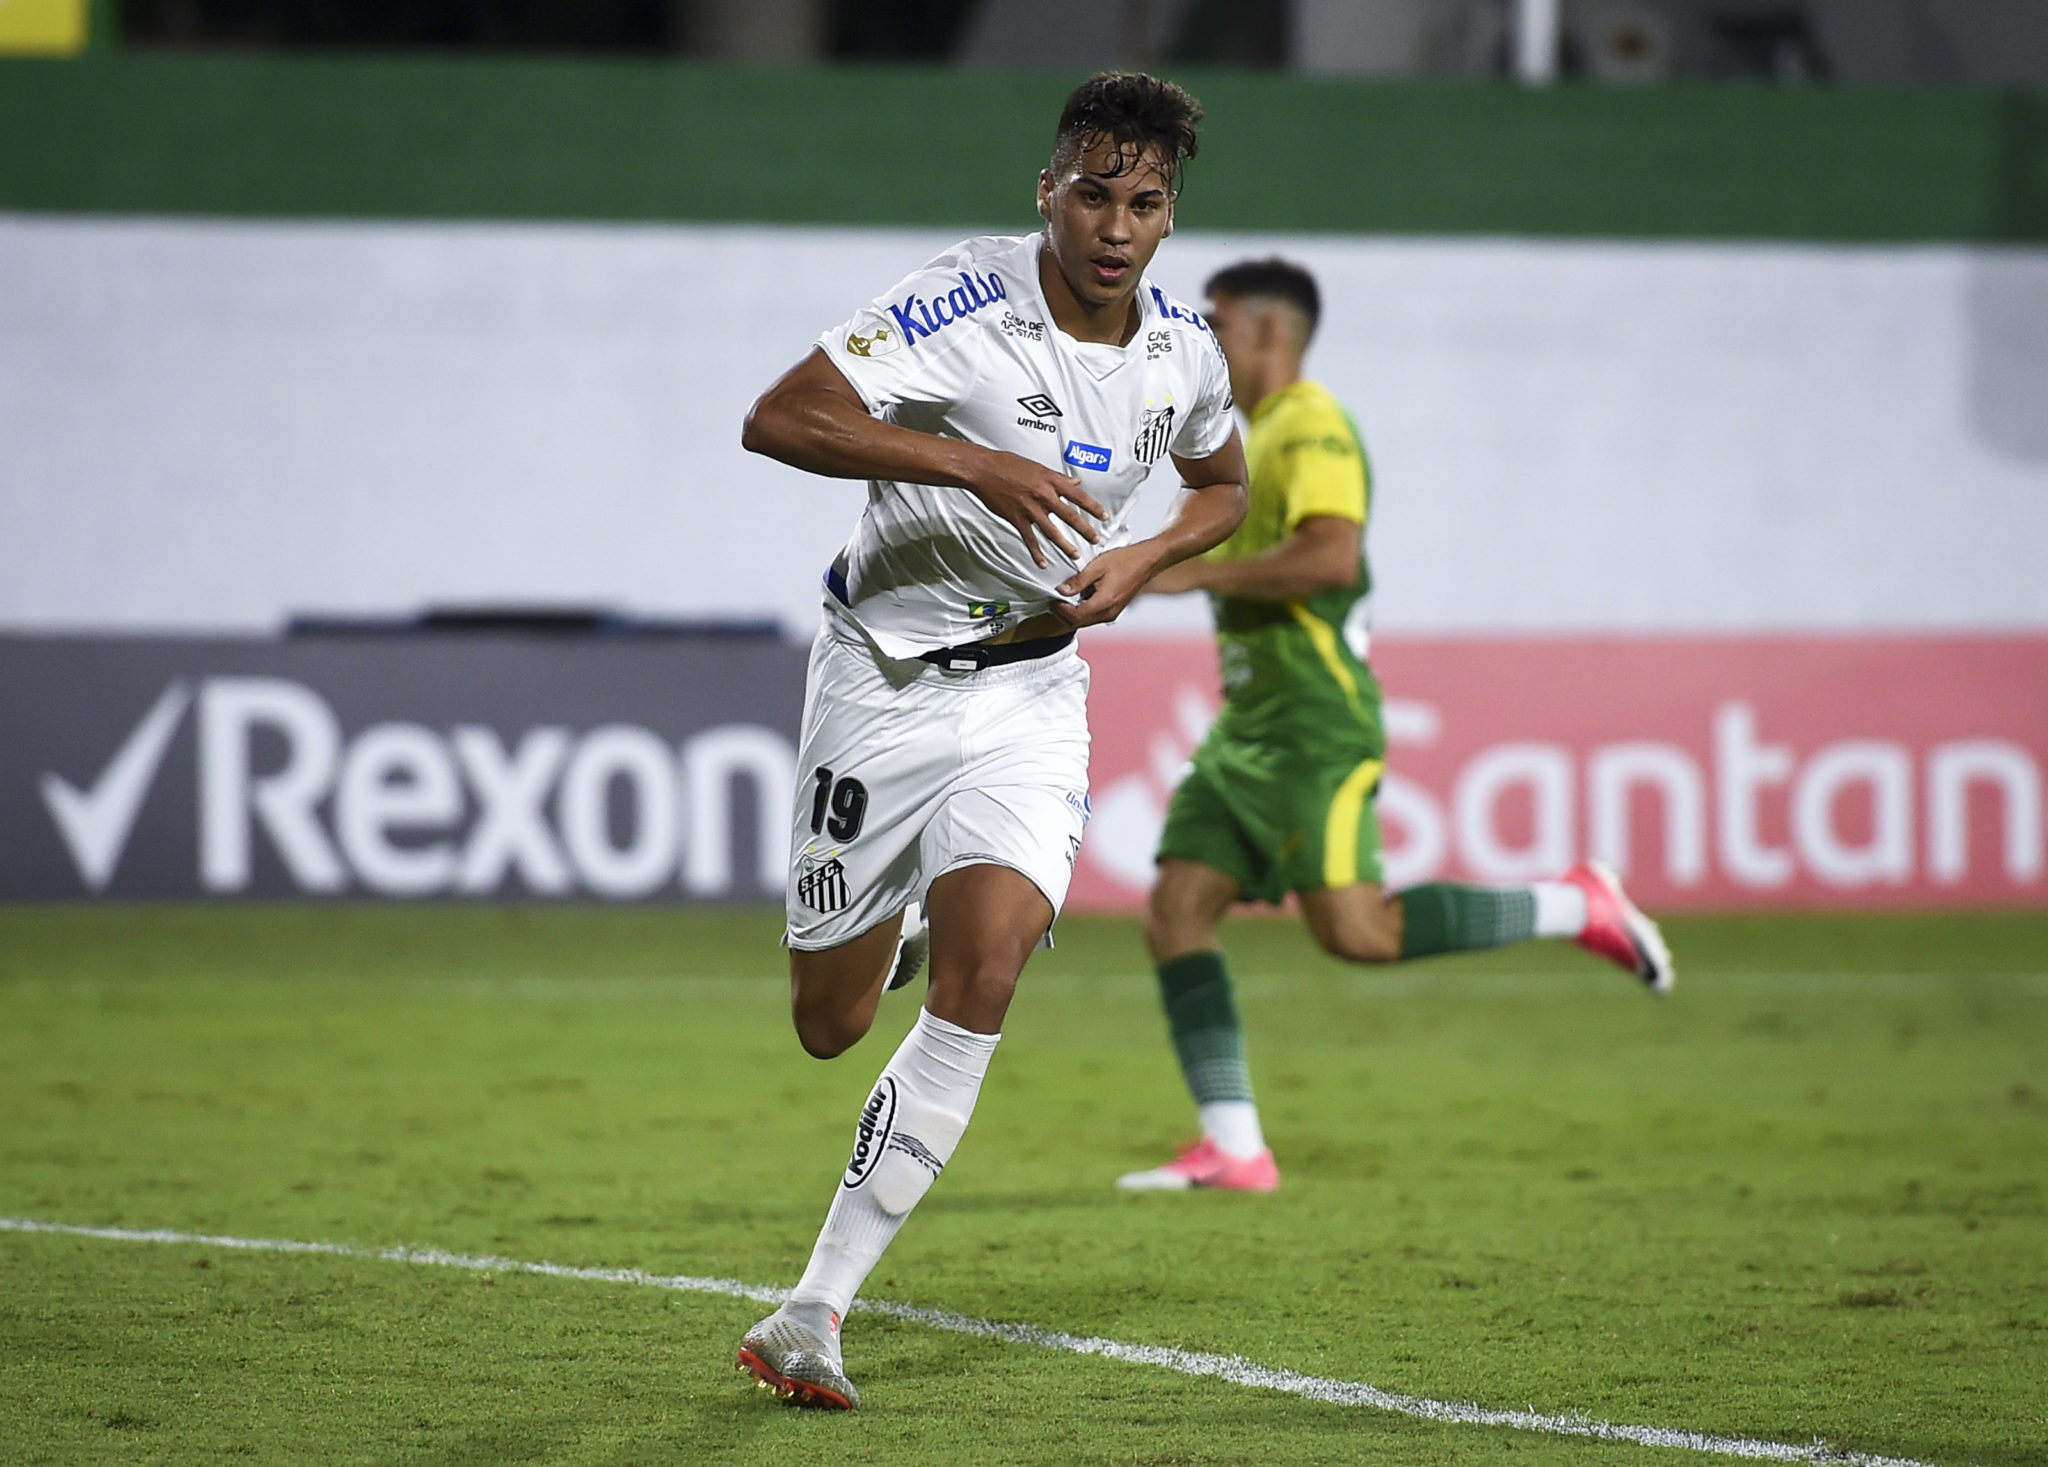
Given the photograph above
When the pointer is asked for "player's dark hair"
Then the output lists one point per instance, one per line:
(1274, 279)
(1138, 114)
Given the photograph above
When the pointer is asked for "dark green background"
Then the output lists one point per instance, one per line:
(611, 140)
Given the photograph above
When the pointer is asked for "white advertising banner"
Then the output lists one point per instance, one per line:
(210, 425)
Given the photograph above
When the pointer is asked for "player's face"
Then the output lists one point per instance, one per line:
(1238, 333)
(1104, 226)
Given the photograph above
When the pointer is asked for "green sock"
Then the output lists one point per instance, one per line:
(1446, 917)
(1206, 1033)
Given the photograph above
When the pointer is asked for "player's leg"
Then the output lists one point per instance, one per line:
(985, 921)
(1001, 837)
(1586, 905)
(1365, 924)
(833, 993)
(873, 766)
(1204, 866)
(1359, 921)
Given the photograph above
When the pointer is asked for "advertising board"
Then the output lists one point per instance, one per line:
(448, 766)
(1713, 772)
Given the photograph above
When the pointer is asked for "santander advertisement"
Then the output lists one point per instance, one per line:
(1713, 772)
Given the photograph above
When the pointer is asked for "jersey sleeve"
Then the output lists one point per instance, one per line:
(1213, 418)
(1322, 467)
(896, 350)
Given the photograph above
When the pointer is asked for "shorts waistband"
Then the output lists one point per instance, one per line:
(971, 657)
(975, 657)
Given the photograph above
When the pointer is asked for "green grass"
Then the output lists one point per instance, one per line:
(1807, 1197)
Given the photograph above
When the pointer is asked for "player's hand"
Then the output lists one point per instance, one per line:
(1034, 498)
(1105, 586)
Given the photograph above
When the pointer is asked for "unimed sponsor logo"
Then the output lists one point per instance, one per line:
(405, 808)
(1727, 772)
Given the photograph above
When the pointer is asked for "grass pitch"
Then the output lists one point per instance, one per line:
(1806, 1197)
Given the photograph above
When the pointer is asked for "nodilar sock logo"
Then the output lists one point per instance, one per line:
(871, 1136)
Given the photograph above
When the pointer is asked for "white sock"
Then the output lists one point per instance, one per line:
(1560, 909)
(1234, 1126)
(912, 1120)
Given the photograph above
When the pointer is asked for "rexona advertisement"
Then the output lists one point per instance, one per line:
(1715, 772)
(443, 766)
(1722, 772)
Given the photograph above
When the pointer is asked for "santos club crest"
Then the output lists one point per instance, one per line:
(1155, 431)
(821, 883)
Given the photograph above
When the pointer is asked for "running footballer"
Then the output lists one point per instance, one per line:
(1004, 404)
(1279, 797)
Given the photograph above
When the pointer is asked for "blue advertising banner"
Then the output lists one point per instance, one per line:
(439, 765)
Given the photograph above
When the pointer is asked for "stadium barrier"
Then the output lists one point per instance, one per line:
(457, 765)
(1717, 773)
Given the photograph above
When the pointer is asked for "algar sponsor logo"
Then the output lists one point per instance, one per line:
(920, 318)
(1088, 456)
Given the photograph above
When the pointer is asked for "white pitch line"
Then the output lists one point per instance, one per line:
(1233, 1368)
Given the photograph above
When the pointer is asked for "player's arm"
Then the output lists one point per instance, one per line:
(812, 419)
(1211, 506)
(1321, 555)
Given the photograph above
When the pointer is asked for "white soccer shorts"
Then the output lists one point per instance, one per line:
(907, 771)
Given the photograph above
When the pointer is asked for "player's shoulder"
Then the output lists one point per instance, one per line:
(1175, 320)
(967, 286)
(1308, 409)
(1176, 335)
(938, 306)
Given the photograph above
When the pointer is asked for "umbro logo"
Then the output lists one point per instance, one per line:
(1040, 407)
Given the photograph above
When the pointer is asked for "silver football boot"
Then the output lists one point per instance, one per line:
(794, 1354)
(914, 948)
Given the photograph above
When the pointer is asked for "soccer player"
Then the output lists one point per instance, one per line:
(1279, 798)
(1004, 404)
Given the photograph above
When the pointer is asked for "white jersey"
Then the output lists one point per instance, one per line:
(965, 348)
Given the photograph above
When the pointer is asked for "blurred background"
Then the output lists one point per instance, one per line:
(373, 521)
(1868, 41)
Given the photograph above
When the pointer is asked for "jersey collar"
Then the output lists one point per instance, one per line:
(1271, 401)
(1148, 311)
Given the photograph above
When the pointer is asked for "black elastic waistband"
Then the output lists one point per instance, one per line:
(974, 658)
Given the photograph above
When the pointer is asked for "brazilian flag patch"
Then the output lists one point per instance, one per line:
(982, 610)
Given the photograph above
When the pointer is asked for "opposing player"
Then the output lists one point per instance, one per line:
(1280, 795)
(1004, 404)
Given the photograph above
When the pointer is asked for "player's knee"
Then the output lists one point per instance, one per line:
(1360, 941)
(972, 991)
(827, 1033)
(1176, 922)
(1165, 934)
(1374, 945)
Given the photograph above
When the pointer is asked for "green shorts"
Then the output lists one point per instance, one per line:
(1276, 820)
